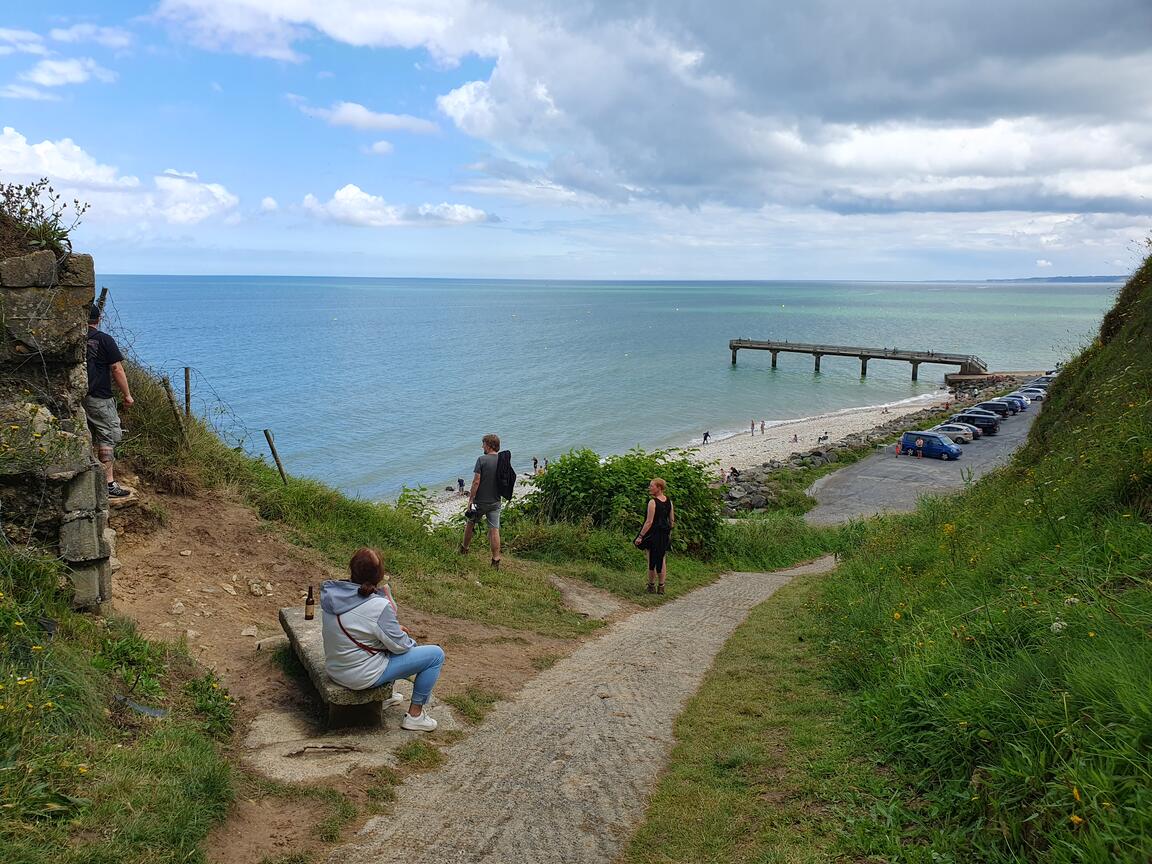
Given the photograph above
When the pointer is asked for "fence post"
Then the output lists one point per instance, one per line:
(187, 392)
(102, 300)
(275, 455)
(175, 410)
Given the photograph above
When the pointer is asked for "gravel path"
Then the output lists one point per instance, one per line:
(562, 773)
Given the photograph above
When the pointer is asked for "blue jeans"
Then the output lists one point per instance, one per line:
(423, 661)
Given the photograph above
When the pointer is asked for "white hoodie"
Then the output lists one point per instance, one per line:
(371, 621)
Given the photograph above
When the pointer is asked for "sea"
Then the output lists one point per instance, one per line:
(373, 385)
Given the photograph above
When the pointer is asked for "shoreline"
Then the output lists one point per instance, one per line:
(743, 450)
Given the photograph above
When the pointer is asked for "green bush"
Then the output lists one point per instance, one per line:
(612, 493)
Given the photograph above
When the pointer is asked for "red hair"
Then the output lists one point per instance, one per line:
(365, 570)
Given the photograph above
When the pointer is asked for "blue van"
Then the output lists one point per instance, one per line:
(931, 445)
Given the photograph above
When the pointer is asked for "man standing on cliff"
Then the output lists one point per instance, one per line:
(484, 499)
(105, 365)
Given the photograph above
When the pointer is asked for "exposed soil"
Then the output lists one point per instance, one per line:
(13, 238)
(177, 581)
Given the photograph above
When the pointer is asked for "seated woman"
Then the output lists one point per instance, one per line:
(364, 644)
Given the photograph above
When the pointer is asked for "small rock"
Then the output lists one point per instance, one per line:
(176, 608)
(114, 565)
(255, 589)
(208, 589)
(249, 631)
(228, 588)
(268, 588)
(186, 553)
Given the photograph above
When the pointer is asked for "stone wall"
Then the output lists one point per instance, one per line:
(52, 491)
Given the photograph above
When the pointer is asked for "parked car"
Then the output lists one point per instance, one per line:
(1000, 408)
(988, 422)
(974, 432)
(955, 434)
(1034, 393)
(932, 445)
(1017, 394)
(1019, 401)
(1038, 385)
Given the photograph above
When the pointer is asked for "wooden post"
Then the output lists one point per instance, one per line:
(275, 455)
(915, 369)
(187, 392)
(817, 356)
(863, 367)
(103, 299)
(775, 354)
(175, 410)
(734, 356)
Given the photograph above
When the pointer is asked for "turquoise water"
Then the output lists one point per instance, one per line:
(373, 384)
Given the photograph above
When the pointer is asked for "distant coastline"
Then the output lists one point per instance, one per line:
(1050, 279)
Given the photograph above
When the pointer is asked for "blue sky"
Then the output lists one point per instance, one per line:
(608, 139)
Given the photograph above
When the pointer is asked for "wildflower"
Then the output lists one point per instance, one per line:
(1074, 819)
(1091, 634)
(949, 528)
(37, 647)
(1076, 793)
(1058, 626)
(17, 623)
(896, 616)
(1071, 601)
(82, 769)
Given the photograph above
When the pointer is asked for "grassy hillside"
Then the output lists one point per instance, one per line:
(1000, 643)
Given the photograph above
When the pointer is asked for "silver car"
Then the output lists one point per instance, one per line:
(954, 432)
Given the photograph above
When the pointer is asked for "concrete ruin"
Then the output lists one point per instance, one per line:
(53, 494)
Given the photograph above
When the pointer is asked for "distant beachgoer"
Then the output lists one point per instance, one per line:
(753, 427)
(545, 464)
(535, 465)
(484, 499)
(733, 474)
(795, 438)
(657, 530)
(707, 435)
(885, 411)
(460, 484)
(364, 644)
(762, 425)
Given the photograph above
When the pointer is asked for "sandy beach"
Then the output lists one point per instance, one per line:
(744, 450)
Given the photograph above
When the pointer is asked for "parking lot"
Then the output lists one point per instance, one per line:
(887, 483)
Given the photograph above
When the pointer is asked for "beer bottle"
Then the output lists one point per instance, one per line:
(310, 606)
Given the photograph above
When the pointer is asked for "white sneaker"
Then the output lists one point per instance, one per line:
(394, 699)
(423, 723)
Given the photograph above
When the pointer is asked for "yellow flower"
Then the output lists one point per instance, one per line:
(949, 529)
(1074, 819)
(896, 616)
(1076, 793)
(17, 623)
(83, 769)
(1091, 634)
(37, 647)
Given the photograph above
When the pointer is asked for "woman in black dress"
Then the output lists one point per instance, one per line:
(657, 530)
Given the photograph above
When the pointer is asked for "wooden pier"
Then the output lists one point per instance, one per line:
(969, 363)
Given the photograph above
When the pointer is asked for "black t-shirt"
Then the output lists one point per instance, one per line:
(102, 353)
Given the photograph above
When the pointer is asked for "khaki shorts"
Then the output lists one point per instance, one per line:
(492, 511)
(103, 421)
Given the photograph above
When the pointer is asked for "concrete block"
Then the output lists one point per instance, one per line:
(77, 270)
(80, 538)
(51, 323)
(35, 270)
(81, 492)
(86, 582)
(102, 532)
(110, 541)
(104, 579)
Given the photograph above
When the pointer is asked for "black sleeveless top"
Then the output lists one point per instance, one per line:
(662, 520)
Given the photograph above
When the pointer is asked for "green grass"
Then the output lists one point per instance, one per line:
(419, 756)
(759, 748)
(82, 777)
(474, 703)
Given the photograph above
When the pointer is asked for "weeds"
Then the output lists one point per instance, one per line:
(40, 215)
(474, 703)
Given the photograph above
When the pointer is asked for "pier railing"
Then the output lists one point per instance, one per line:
(969, 364)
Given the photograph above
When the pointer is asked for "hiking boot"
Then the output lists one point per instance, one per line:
(651, 587)
(423, 723)
(115, 490)
(496, 563)
(659, 589)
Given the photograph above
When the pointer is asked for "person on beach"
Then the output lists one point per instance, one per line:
(753, 432)
(707, 435)
(658, 525)
(484, 499)
(460, 485)
(365, 645)
(105, 365)
(795, 438)
(762, 422)
(535, 465)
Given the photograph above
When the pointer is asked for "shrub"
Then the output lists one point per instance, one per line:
(612, 493)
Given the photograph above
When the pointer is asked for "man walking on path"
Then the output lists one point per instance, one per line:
(484, 499)
(105, 365)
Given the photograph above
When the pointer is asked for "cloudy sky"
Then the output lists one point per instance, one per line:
(895, 139)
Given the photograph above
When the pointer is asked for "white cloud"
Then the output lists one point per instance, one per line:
(350, 205)
(380, 148)
(21, 42)
(23, 91)
(57, 73)
(269, 204)
(116, 38)
(355, 115)
(1043, 262)
(178, 197)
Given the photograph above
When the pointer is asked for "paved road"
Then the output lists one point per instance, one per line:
(886, 483)
(562, 773)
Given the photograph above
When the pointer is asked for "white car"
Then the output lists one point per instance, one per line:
(954, 432)
(1033, 392)
(1027, 399)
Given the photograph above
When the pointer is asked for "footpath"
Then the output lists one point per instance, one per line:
(563, 772)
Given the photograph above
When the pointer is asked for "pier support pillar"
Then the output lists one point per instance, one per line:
(734, 356)
(817, 356)
(775, 354)
(915, 369)
(863, 367)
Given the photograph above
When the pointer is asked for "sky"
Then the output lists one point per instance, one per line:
(598, 139)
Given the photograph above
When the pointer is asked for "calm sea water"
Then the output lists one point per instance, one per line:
(373, 384)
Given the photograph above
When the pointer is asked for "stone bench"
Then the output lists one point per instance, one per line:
(345, 707)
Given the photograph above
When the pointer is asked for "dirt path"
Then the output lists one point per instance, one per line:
(562, 772)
